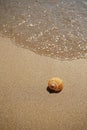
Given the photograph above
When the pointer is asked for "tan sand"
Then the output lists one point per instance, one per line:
(25, 104)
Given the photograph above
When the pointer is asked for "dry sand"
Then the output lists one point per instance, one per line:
(25, 104)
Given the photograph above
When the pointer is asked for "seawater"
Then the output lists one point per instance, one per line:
(55, 28)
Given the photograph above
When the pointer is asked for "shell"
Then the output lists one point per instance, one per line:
(55, 84)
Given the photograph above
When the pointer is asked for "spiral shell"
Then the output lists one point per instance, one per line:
(55, 84)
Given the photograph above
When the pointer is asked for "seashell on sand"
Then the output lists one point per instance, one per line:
(55, 84)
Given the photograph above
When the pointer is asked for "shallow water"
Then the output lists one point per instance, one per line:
(48, 27)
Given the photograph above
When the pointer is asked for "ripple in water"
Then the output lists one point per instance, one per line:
(53, 28)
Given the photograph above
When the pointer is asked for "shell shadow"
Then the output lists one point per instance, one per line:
(52, 91)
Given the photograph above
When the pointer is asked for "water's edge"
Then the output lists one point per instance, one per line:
(56, 29)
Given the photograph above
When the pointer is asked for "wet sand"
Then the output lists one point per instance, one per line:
(25, 104)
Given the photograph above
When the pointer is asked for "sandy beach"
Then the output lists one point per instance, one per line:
(25, 104)
(39, 40)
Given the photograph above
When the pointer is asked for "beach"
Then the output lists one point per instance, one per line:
(39, 40)
(25, 103)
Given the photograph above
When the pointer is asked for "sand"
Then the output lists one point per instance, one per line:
(25, 104)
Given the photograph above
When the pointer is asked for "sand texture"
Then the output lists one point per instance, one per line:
(25, 104)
